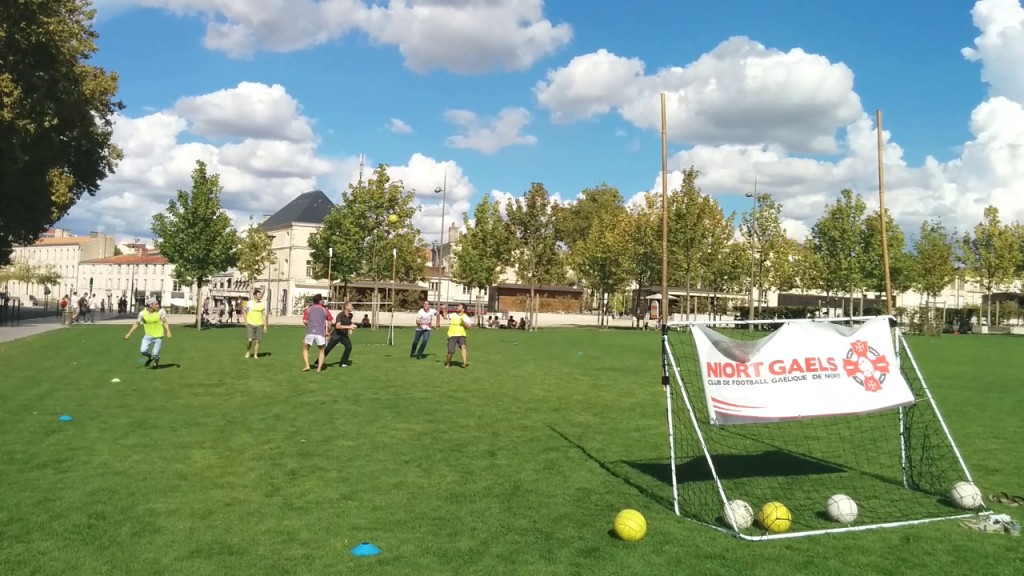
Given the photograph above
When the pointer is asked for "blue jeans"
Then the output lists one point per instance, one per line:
(425, 335)
(148, 341)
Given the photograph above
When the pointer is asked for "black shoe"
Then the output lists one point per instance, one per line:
(149, 359)
(156, 363)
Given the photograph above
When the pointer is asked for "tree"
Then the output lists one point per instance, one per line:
(991, 255)
(196, 234)
(254, 253)
(56, 115)
(46, 277)
(574, 221)
(730, 272)
(901, 263)
(934, 259)
(645, 249)
(691, 215)
(484, 249)
(762, 229)
(535, 255)
(366, 243)
(716, 267)
(603, 259)
(837, 238)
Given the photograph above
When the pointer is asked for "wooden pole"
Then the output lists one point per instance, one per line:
(664, 215)
(882, 215)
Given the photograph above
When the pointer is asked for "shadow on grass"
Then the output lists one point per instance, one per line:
(646, 492)
(166, 366)
(772, 463)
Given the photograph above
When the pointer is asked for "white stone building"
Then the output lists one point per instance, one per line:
(143, 273)
(64, 253)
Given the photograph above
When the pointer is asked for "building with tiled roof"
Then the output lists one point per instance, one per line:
(62, 252)
(289, 278)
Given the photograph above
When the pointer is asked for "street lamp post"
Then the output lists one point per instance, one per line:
(394, 263)
(330, 282)
(753, 235)
(270, 264)
(443, 191)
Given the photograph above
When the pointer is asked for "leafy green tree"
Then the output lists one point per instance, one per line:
(485, 249)
(366, 242)
(46, 276)
(837, 238)
(196, 234)
(603, 259)
(762, 228)
(645, 248)
(901, 262)
(254, 253)
(690, 213)
(574, 222)
(991, 255)
(56, 115)
(536, 256)
(934, 259)
(717, 272)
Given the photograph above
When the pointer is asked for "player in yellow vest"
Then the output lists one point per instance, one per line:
(154, 323)
(458, 324)
(256, 323)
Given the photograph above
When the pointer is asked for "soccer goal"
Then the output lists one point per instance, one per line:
(794, 413)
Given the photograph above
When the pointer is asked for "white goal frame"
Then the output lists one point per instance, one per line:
(670, 368)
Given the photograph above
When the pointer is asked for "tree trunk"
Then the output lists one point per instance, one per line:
(533, 307)
(687, 295)
(199, 304)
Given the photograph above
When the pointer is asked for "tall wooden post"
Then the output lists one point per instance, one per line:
(882, 215)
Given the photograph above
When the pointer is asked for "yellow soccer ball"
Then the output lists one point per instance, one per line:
(630, 525)
(775, 517)
(393, 218)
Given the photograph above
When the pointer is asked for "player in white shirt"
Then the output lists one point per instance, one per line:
(424, 319)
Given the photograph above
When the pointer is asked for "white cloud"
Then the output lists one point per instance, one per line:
(989, 168)
(462, 36)
(250, 110)
(739, 93)
(398, 127)
(1000, 47)
(488, 135)
(261, 170)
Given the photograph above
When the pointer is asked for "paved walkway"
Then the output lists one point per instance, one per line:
(29, 327)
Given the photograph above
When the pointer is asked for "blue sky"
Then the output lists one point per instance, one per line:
(905, 58)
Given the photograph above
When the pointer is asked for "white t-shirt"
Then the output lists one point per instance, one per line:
(424, 318)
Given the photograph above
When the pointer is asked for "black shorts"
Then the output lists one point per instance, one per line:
(456, 342)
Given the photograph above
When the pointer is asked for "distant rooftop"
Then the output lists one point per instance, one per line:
(307, 208)
(129, 259)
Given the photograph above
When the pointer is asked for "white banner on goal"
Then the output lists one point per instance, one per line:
(802, 370)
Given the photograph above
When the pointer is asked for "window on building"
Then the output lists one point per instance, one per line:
(309, 268)
(483, 291)
(465, 289)
(435, 286)
(176, 286)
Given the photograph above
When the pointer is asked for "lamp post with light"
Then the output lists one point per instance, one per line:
(753, 235)
(443, 191)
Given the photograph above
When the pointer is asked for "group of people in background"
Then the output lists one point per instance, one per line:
(458, 323)
(323, 330)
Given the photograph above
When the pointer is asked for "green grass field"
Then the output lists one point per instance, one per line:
(517, 465)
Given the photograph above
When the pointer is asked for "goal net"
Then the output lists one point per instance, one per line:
(797, 412)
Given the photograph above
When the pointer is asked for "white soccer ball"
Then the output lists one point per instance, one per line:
(965, 495)
(841, 508)
(741, 512)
